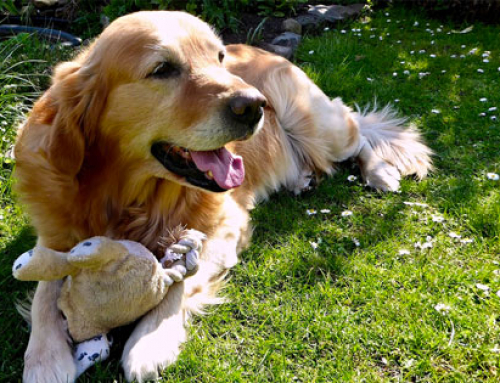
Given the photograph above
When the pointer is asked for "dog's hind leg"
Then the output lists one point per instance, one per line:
(322, 132)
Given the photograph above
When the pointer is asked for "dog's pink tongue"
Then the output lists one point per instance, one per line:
(227, 168)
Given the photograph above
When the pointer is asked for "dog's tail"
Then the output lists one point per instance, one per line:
(399, 145)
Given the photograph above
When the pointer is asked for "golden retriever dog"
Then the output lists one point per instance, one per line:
(158, 124)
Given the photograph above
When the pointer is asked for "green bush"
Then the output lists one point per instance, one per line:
(221, 13)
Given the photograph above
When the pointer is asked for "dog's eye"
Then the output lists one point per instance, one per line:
(165, 70)
(221, 56)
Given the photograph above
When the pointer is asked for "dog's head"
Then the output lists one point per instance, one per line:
(154, 83)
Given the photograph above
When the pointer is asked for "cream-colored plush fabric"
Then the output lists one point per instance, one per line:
(107, 283)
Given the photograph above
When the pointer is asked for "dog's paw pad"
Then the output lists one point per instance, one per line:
(22, 260)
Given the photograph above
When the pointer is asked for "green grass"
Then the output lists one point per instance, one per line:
(343, 312)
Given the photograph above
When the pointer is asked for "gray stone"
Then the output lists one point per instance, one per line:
(286, 52)
(104, 20)
(287, 39)
(45, 3)
(309, 21)
(334, 13)
(292, 25)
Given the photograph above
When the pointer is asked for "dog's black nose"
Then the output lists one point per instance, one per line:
(247, 107)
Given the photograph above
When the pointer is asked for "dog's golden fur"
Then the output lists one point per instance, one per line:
(84, 165)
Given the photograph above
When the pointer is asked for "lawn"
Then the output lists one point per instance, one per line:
(344, 284)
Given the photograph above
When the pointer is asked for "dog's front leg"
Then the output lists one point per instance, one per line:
(155, 342)
(49, 357)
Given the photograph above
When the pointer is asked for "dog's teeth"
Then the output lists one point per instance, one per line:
(185, 154)
(209, 175)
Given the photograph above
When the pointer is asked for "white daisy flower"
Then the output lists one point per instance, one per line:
(436, 111)
(409, 363)
(466, 241)
(404, 252)
(311, 212)
(356, 242)
(483, 99)
(492, 109)
(492, 176)
(343, 31)
(402, 62)
(421, 51)
(398, 42)
(352, 178)
(432, 56)
(406, 72)
(442, 308)
(443, 71)
(486, 61)
(439, 30)
(482, 114)
(423, 246)
(496, 349)
(415, 24)
(415, 204)
(413, 52)
(369, 79)
(346, 213)
(462, 56)
(380, 38)
(437, 218)
(480, 70)
(325, 211)
(432, 42)
(493, 118)
(472, 51)
(372, 36)
(486, 54)
(314, 245)
(394, 74)
(498, 293)
(463, 47)
(326, 29)
(311, 52)
(452, 234)
(396, 100)
(388, 20)
(482, 287)
(453, 56)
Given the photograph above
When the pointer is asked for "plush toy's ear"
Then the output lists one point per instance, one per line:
(96, 252)
(42, 264)
(79, 95)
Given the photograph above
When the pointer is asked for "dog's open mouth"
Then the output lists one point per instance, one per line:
(214, 170)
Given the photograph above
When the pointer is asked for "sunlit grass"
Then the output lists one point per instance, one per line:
(366, 304)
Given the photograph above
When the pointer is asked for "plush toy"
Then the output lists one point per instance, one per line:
(108, 284)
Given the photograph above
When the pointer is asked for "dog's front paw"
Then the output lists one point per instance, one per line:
(182, 257)
(383, 177)
(49, 366)
(148, 357)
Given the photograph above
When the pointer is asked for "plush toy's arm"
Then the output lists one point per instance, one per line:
(42, 264)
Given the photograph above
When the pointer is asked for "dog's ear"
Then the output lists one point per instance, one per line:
(79, 96)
